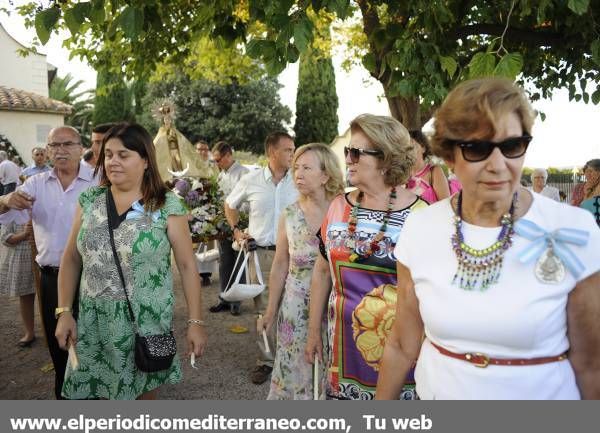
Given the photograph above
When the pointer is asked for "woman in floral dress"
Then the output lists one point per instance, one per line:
(318, 178)
(147, 221)
(358, 234)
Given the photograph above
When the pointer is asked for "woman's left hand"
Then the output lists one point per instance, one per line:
(196, 340)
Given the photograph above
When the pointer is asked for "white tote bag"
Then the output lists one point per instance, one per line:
(240, 291)
(206, 259)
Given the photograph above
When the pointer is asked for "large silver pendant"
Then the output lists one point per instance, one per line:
(549, 269)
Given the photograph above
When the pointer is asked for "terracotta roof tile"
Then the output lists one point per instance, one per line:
(20, 100)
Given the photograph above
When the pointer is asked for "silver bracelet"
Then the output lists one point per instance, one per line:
(196, 322)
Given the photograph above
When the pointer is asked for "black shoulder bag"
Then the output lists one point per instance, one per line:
(153, 352)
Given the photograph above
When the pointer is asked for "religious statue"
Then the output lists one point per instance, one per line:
(175, 155)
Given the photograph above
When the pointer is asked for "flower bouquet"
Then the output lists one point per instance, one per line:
(205, 200)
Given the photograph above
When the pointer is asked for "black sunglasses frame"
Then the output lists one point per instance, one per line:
(487, 147)
(355, 153)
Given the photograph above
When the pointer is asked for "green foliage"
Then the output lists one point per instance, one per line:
(316, 100)
(417, 49)
(67, 90)
(113, 99)
(242, 115)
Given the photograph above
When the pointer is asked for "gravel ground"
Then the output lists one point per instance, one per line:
(223, 372)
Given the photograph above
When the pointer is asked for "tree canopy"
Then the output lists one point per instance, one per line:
(417, 49)
(242, 115)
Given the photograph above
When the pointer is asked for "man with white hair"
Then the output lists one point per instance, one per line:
(538, 180)
(9, 174)
(52, 197)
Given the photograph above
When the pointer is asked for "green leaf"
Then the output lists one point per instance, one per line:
(132, 21)
(75, 16)
(482, 65)
(340, 7)
(509, 65)
(586, 97)
(303, 33)
(97, 14)
(579, 6)
(596, 97)
(369, 62)
(449, 65)
(258, 48)
(292, 54)
(44, 23)
(596, 51)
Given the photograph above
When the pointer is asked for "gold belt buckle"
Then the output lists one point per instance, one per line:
(482, 364)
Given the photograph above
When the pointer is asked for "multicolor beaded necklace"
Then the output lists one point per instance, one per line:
(479, 269)
(352, 222)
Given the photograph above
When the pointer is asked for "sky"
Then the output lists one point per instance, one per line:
(566, 138)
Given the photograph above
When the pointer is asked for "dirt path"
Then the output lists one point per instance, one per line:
(223, 373)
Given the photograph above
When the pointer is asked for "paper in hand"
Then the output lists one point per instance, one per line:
(73, 359)
(316, 378)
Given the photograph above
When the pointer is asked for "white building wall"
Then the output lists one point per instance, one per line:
(26, 73)
(27, 130)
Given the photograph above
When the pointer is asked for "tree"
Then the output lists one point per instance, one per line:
(113, 98)
(417, 49)
(242, 115)
(65, 89)
(316, 97)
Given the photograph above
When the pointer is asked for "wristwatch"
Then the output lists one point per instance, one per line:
(58, 311)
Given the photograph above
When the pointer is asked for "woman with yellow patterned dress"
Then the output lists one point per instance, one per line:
(358, 236)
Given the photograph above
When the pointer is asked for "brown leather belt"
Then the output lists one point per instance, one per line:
(482, 361)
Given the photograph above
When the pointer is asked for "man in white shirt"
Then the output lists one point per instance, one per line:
(52, 197)
(538, 180)
(40, 163)
(9, 174)
(230, 173)
(268, 192)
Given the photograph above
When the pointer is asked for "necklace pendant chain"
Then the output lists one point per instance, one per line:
(373, 247)
(478, 269)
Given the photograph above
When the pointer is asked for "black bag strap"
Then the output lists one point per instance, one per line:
(109, 202)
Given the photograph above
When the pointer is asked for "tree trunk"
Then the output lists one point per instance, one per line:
(406, 110)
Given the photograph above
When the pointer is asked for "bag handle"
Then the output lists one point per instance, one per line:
(109, 202)
(257, 267)
(238, 276)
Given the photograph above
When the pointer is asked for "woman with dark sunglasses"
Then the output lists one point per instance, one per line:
(503, 283)
(358, 236)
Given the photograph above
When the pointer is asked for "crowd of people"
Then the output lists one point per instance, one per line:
(411, 284)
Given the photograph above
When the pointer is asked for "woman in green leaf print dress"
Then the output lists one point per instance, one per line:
(147, 221)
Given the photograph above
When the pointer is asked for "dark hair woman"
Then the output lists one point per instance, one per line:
(146, 221)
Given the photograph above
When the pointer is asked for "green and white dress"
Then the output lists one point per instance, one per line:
(105, 332)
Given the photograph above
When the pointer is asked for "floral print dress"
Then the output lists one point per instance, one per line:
(292, 377)
(105, 342)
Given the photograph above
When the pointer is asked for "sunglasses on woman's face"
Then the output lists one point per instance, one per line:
(479, 150)
(355, 153)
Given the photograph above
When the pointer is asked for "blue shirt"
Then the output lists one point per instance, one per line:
(34, 169)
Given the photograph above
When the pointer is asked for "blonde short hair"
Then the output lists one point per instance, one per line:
(472, 110)
(389, 136)
(328, 163)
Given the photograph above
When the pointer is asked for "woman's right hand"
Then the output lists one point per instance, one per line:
(265, 321)
(66, 329)
(314, 347)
